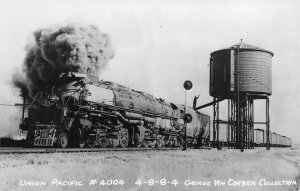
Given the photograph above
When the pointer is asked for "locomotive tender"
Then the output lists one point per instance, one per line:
(83, 111)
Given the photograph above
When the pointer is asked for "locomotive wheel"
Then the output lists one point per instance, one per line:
(124, 138)
(82, 145)
(91, 144)
(139, 144)
(175, 143)
(101, 142)
(115, 142)
(147, 144)
(160, 143)
(179, 143)
(136, 140)
(63, 141)
(153, 144)
(166, 142)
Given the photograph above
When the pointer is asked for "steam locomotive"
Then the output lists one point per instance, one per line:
(82, 111)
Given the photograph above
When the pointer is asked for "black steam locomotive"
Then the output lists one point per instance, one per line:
(82, 111)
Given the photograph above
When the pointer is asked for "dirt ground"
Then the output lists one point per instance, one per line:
(277, 169)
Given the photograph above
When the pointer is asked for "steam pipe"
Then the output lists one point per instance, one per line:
(120, 116)
(139, 117)
(209, 104)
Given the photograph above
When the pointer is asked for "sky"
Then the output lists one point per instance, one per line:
(161, 43)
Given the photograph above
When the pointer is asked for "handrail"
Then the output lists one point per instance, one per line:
(33, 100)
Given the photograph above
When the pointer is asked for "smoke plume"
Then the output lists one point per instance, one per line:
(74, 48)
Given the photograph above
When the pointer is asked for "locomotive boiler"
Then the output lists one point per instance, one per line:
(81, 111)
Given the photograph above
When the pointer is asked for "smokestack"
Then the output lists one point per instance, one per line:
(70, 48)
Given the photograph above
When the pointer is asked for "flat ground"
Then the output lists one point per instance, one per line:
(170, 170)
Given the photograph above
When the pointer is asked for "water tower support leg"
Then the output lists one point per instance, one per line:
(251, 124)
(233, 124)
(228, 126)
(268, 123)
(218, 125)
(214, 124)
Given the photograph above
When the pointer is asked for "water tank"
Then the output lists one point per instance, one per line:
(249, 65)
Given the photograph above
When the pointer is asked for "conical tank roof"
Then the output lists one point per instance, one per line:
(243, 46)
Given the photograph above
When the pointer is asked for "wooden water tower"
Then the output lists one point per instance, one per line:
(240, 74)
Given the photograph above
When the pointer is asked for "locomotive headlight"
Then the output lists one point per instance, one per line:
(37, 133)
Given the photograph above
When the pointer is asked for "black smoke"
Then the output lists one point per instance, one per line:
(70, 48)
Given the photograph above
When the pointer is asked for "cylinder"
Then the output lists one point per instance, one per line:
(242, 65)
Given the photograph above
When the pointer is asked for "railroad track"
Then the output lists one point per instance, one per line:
(20, 150)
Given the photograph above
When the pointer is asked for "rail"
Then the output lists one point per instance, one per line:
(20, 150)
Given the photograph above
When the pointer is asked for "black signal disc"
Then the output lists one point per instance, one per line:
(187, 85)
(187, 118)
